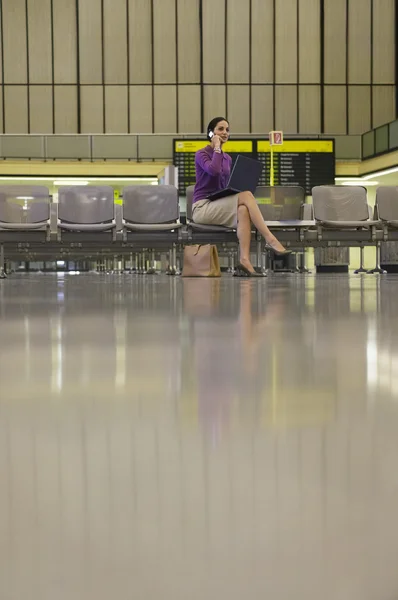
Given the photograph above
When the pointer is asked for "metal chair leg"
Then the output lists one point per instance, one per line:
(264, 262)
(303, 263)
(177, 262)
(377, 268)
(172, 270)
(134, 263)
(259, 254)
(143, 263)
(361, 261)
(2, 263)
(152, 264)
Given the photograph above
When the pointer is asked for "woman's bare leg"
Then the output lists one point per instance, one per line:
(247, 199)
(244, 236)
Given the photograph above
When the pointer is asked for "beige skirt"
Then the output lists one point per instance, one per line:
(217, 212)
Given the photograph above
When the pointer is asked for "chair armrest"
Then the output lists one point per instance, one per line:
(118, 218)
(307, 212)
(53, 221)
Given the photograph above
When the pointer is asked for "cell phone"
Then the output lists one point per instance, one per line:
(211, 134)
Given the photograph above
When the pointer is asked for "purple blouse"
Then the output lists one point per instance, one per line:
(212, 172)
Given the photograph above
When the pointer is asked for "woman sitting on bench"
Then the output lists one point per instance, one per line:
(238, 211)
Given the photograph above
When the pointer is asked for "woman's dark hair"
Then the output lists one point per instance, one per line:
(213, 124)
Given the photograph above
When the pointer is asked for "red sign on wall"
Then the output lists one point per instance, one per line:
(276, 138)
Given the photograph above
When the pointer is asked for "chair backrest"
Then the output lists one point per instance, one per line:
(340, 203)
(280, 203)
(387, 203)
(24, 204)
(189, 192)
(86, 205)
(150, 204)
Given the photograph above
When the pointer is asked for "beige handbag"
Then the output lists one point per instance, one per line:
(201, 261)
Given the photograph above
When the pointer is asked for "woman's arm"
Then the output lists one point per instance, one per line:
(212, 166)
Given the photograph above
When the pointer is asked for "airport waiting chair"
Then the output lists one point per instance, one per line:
(151, 219)
(87, 214)
(342, 207)
(387, 205)
(346, 208)
(283, 203)
(286, 213)
(386, 209)
(206, 233)
(210, 234)
(24, 218)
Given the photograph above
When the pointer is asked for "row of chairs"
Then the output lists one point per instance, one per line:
(86, 220)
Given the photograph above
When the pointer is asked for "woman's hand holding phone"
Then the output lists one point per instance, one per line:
(216, 142)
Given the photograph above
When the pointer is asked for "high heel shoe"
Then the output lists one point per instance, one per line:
(278, 252)
(241, 271)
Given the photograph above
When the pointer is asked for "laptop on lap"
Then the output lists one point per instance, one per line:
(244, 177)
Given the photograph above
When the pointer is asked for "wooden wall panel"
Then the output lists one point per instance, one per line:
(214, 102)
(158, 42)
(238, 41)
(359, 109)
(213, 36)
(115, 41)
(286, 41)
(335, 41)
(141, 109)
(309, 42)
(116, 109)
(188, 41)
(310, 109)
(165, 109)
(383, 105)
(262, 50)
(90, 41)
(359, 46)
(16, 109)
(286, 108)
(239, 108)
(92, 109)
(335, 110)
(41, 109)
(14, 41)
(384, 41)
(189, 109)
(65, 43)
(65, 109)
(262, 109)
(164, 19)
(40, 47)
(140, 43)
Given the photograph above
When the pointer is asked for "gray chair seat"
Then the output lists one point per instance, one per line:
(86, 226)
(24, 208)
(23, 226)
(86, 209)
(152, 227)
(387, 205)
(149, 208)
(349, 224)
(294, 224)
(210, 228)
(340, 207)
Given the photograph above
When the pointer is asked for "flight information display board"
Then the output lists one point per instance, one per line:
(184, 157)
(306, 163)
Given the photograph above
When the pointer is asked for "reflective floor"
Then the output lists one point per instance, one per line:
(175, 439)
